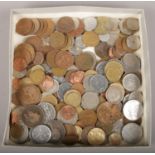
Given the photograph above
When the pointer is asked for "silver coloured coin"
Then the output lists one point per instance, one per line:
(131, 63)
(113, 36)
(100, 67)
(117, 126)
(99, 83)
(133, 110)
(136, 95)
(90, 23)
(41, 134)
(19, 74)
(47, 68)
(75, 50)
(49, 110)
(76, 22)
(79, 42)
(104, 37)
(64, 87)
(90, 100)
(131, 82)
(132, 133)
(60, 79)
(126, 98)
(86, 83)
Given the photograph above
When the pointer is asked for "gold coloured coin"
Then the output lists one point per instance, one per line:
(58, 71)
(50, 99)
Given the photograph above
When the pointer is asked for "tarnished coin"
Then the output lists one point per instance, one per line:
(131, 62)
(67, 114)
(39, 58)
(86, 115)
(59, 72)
(117, 126)
(55, 136)
(49, 111)
(40, 134)
(72, 97)
(90, 23)
(133, 110)
(99, 83)
(50, 58)
(100, 67)
(96, 136)
(18, 133)
(70, 130)
(70, 140)
(123, 29)
(115, 139)
(85, 61)
(90, 38)
(132, 24)
(131, 82)
(115, 93)
(136, 95)
(132, 133)
(65, 24)
(32, 116)
(29, 94)
(90, 100)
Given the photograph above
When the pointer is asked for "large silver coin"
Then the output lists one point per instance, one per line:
(133, 110)
(132, 133)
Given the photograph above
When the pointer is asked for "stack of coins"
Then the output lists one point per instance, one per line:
(63, 92)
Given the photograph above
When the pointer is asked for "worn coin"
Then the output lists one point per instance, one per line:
(115, 139)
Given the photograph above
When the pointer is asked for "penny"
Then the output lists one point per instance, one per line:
(18, 133)
(100, 67)
(133, 110)
(29, 94)
(50, 58)
(67, 114)
(64, 59)
(90, 38)
(72, 97)
(49, 111)
(131, 82)
(65, 24)
(96, 136)
(41, 134)
(79, 87)
(85, 61)
(50, 99)
(90, 100)
(86, 115)
(39, 58)
(36, 25)
(76, 77)
(57, 40)
(115, 139)
(24, 26)
(19, 64)
(55, 136)
(32, 116)
(78, 131)
(115, 93)
(131, 63)
(69, 43)
(113, 70)
(132, 133)
(70, 140)
(90, 23)
(70, 130)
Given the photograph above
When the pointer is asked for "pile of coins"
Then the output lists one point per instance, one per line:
(77, 81)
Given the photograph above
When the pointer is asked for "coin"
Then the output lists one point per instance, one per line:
(115, 139)
(85, 61)
(79, 87)
(65, 24)
(123, 29)
(132, 133)
(131, 82)
(55, 136)
(131, 62)
(86, 115)
(115, 93)
(90, 23)
(39, 58)
(19, 64)
(90, 38)
(96, 136)
(86, 83)
(20, 74)
(32, 116)
(67, 114)
(70, 130)
(133, 110)
(104, 37)
(136, 95)
(76, 77)
(117, 126)
(50, 58)
(132, 24)
(40, 134)
(90, 100)
(100, 67)
(79, 43)
(72, 97)
(59, 72)
(50, 99)
(90, 72)
(29, 94)
(49, 111)
(78, 131)
(70, 140)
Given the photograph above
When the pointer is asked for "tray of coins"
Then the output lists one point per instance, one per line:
(79, 76)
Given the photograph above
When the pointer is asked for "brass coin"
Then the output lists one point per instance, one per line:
(79, 87)
(58, 71)
(50, 58)
(50, 99)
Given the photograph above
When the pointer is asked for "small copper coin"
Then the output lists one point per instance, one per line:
(50, 58)
(70, 130)
(76, 77)
(70, 140)
(19, 64)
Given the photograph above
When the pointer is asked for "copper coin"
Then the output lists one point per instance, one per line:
(39, 58)
(24, 26)
(65, 24)
(64, 59)
(36, 25)
(29, 94)
(70, 130)
(70, 140)
(19, 64)
(76, 77)
(50, 58)
(86, 115)
(79, 87)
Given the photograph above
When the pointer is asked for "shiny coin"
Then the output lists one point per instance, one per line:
(49, 111)
(67, 114)
(96, 136)
(90, 23)
(115, 139)
(72, 97)
(115, 93)
(132, 133)
(100, 67)
(133, 110)
(131, 62)
(131, 82)
(32, 116)
(90, 100)
(40, 134)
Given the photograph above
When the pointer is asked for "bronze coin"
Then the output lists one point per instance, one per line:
(64, 59)
(41, 27)
(38, 59)
(70, 140)
(19, 64)
(50, 27)
(65, 24)
(70, 130)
